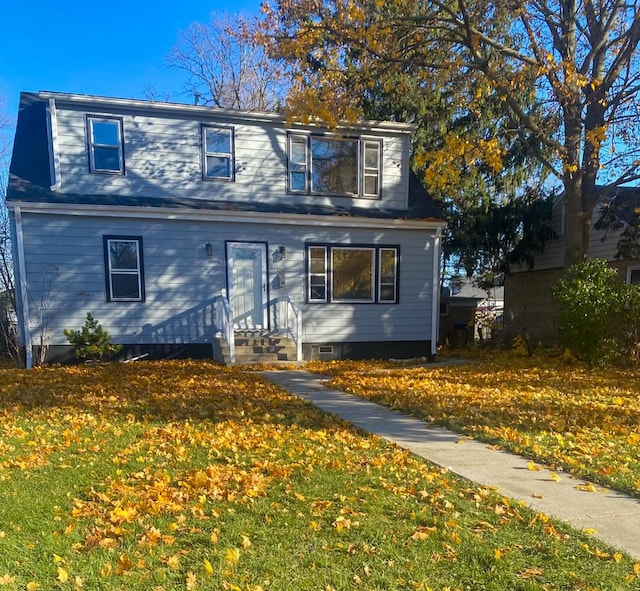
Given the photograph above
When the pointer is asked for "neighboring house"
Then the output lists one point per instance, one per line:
(469, 313)
(176, 224)
(529, 306)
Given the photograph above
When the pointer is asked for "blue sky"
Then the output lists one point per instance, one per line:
(115, 48)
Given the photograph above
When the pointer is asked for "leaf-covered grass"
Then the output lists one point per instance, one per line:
(188, 475)
(572, 417)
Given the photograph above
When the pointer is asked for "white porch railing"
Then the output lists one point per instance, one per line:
(287, 318)
(223, 322)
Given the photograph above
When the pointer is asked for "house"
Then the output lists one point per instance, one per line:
(186, 229)
(530, 310)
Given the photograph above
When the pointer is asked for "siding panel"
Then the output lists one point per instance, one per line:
(66, 277)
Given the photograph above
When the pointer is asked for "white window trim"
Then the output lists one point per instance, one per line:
(298, 167)
(230, 156)
(368, 171)
(138, 272)
(376, 282)
(325, 274)
(395, 275)
(630, 270)
(361, 170)
(93, 145)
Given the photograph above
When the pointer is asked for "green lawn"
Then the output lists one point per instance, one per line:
(564, 414)
(188, 475)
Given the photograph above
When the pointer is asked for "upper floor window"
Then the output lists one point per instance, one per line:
(217, 156)
(105, 144)
(124, 270)
(326, 165)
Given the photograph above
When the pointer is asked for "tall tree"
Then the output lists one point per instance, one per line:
(8, 328)
(562, 75)
(226, 67)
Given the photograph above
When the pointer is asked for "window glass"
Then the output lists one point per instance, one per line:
(634, 275)
(124, 254)
(218, 141)
(106, 159)
(124, 287)
(218, 166)
(334, 166)
(352, 274)
(106, 132)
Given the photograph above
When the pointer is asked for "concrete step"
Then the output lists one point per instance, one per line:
(251, 348)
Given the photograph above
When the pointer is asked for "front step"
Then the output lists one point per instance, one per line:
(252, 348)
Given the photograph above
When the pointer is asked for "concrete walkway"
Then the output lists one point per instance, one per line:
(614, 516)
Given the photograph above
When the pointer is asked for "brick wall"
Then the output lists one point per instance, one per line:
(529, 307)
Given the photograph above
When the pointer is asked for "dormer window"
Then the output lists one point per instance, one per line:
(105, 144)
(328, 165)
(217, 153)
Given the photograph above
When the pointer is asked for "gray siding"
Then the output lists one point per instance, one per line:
(553, 256)
(163, 159)
(66, 277)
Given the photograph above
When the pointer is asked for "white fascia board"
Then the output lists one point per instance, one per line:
(231, 114)
(54, 154)
(167, 213)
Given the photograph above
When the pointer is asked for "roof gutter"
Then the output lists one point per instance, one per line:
(234, 114)
(169, 213)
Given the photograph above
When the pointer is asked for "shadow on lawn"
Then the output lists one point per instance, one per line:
(157, 391)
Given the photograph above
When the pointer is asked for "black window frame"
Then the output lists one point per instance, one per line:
(362, 171)
(328, 284)
(204, 128)
(109, 271)
(92, 145)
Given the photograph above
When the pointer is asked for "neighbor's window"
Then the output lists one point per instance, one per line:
(124, 272)
(323, 165)
(105, 144)
(352, 274)
(633, 275)
(217, 158)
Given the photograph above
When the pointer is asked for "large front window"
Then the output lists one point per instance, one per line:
(352, 274)
(327, 165)
(124, 273)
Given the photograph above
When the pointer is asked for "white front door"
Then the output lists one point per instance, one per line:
(247, 281)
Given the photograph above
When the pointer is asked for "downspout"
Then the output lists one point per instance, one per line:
(24, 300)
(54, 154)
(435, 312)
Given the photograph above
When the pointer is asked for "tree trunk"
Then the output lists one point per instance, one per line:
(577, 222)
